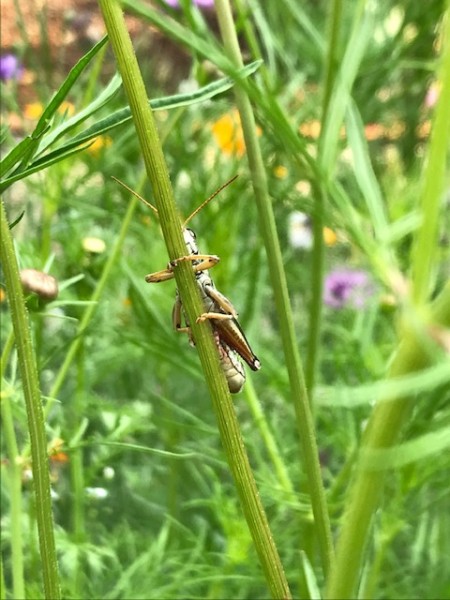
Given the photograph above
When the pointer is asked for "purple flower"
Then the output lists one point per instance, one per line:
(344, 287)
(199, 3)
(10, 67)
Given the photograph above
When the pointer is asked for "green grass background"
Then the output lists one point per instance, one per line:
(131, 404)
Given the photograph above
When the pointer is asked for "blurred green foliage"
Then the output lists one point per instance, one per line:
(144, 504)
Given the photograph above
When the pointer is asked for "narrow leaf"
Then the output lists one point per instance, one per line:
(58, 98)
(15, 155)
(73, 122)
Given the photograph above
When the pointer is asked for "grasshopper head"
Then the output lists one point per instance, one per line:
(190, 241)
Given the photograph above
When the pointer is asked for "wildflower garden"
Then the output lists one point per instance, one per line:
(128, 469)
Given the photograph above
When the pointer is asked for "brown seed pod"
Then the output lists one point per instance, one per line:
(42, 284)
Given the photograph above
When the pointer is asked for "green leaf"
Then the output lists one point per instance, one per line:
(329, 140)
(46, 161)
(309, 577)
(17, 220)
(422, 447)
(44, 122)
(364, 173)
(15, 155)
(61, 94)
(73, 122)
(123, 115)
(118, 118)
(388, 389)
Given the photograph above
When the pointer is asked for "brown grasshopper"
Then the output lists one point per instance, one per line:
(229, 337)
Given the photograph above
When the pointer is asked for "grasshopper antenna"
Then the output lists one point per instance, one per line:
(124, 185)
(199, 208)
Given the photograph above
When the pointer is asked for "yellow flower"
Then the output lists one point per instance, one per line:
(97, 146)
(66, 108)
(329, 236)
(396, 130)
(228, 133)
(280, 171)
(33, 110)
(423, 130)
(310, 129)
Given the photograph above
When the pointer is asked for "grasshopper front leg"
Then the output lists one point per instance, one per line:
(205, 261)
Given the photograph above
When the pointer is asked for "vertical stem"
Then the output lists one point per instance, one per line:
(318, 252)
(279, 285)
(35, 415)
(387, 418)
(382, 431)
(170, 225)
(426, 244)
(14, 479)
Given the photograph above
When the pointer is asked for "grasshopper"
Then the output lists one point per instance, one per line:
(228, 335)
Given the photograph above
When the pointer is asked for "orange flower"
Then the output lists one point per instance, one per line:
(374, 131)
(228, 133)
(55, 451)
(59, 458)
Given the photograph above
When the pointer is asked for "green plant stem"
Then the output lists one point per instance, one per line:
(388, 418)
(8, 346)
(14, 480)
(89, 312)
(35, 415)
(315, 302)
(279, 285)
(2, 580)
(271, 445)
(382, 431)
(426, 246)
(320, 207)
(170, 225)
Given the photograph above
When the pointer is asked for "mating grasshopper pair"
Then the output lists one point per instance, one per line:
(229, 337)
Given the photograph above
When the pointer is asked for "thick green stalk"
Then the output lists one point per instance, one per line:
(170, 225)
(387, 419)
(35, 415)
(279, 285)
(382, 431)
